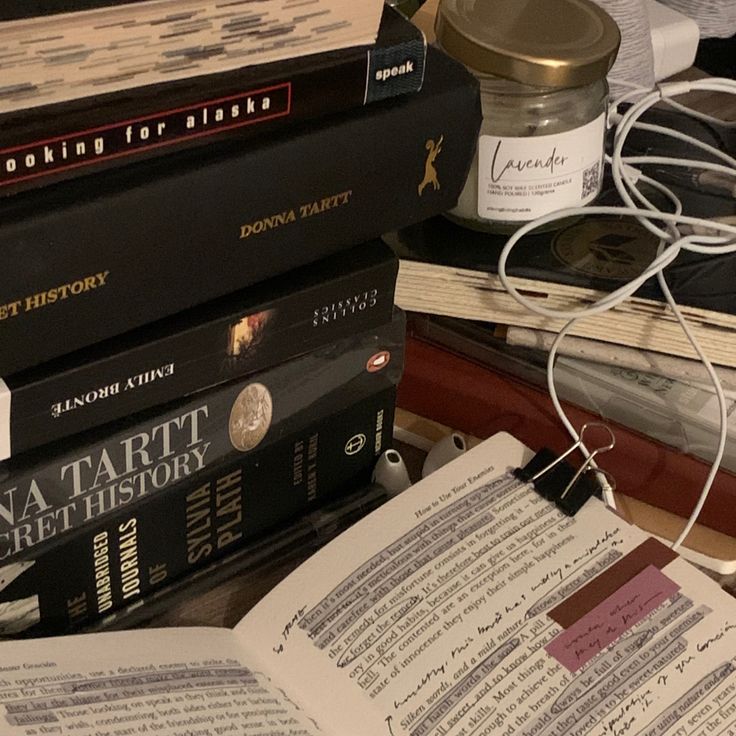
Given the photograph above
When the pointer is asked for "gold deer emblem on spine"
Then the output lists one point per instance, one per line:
(430, 173)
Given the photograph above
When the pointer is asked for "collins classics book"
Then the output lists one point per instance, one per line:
(204, 346)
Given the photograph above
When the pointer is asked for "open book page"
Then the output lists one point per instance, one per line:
(470, 606)
(173, 682)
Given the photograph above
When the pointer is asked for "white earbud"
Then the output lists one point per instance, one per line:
(391, 473)
(448, 448)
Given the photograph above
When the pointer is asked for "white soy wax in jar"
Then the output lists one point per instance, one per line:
(541, 65)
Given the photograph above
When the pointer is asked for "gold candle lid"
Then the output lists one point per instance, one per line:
(543, 43)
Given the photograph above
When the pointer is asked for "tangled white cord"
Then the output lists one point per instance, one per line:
(719, 238)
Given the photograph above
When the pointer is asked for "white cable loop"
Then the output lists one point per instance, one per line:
(720, 238)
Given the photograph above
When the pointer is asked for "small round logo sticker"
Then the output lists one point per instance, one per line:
(355, 444)
(605, 247)
(378, 361)
(250, 417)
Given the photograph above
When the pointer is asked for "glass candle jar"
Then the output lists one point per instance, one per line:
(542, 69)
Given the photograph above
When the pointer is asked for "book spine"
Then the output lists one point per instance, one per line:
(141, 548)
(169, 363)
(47, 494)
(87, 260)
(50, 143)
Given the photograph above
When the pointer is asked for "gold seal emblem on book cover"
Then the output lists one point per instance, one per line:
(250, 417)
(605, 247)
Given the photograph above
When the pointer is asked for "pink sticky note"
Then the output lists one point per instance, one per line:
(616, 615)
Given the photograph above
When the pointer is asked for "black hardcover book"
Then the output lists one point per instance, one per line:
(600, 253)
(142, 547)
(44, 494)
(250, 568)
(45, 142)
(88, 259)
(201, 347)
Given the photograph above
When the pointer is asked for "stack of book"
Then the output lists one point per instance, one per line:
(582, 260)
(644, 395)
(198, 338)
(633, 364)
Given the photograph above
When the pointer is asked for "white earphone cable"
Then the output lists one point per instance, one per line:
(719, 238)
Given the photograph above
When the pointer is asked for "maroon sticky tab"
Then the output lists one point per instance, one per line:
(582, 602)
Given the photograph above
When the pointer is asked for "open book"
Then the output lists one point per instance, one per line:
(466, 606)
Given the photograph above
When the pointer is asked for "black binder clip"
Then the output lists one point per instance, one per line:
(560, 482)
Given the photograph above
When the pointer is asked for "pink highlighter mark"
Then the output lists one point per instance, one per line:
(616, 615)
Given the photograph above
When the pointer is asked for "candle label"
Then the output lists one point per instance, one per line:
(520, 178)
